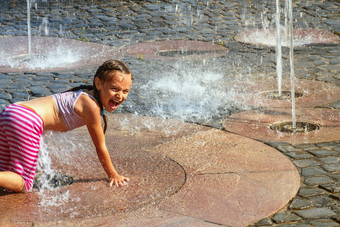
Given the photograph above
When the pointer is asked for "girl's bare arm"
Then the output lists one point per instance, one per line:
(90, 112)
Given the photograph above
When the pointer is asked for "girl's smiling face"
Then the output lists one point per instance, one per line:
(114, 89)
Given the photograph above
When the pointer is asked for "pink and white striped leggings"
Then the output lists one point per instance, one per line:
(20, 132)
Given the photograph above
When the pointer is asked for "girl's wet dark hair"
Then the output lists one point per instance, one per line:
(101, 73)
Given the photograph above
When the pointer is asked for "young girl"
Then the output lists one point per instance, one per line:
(22, 124)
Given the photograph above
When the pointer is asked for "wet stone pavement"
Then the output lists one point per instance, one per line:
(119, 23)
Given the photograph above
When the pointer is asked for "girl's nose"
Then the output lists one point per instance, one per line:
(119, 95)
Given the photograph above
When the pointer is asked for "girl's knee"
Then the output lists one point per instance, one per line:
(12, 181)
(22, 187)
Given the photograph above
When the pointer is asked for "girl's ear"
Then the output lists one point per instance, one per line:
(98, 83)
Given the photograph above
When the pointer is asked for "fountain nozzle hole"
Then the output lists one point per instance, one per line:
(284, 95)
(53, 181)
(301, 127)
(181, 53)
(21, 58)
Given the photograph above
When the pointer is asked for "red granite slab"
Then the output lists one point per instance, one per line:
(185, 49)
(301, 36)
(80, 54)
(256, 124)
(252, 92)
(234, 199)
(181, 174)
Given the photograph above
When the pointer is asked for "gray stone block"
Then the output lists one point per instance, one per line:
(299, 204)
(324, 223)
(285, 217)
(335, 167)
(307, 192)
(312, 171)
(330, 160)
(318, 180)
(305, 163)
(322, 153)
(315, 213)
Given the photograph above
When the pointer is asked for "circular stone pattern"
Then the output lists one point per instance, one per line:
(175, 168)
(174, 50)
(51, 54)
(153, 177)
(302, 127)
(284, 95)
(301, 37)
(308, 93)
(257, 125)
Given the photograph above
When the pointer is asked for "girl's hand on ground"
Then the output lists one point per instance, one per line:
(118, 181)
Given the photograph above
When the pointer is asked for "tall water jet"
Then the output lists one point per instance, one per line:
(291, 61)
(278, 49)
(29, 27)
(286, 21)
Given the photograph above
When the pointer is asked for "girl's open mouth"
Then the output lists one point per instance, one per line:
(113, 105)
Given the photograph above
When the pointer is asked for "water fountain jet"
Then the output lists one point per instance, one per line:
(291, 63)
(301, 36)
(315, 125)
(278, 49)
(262, 93)
(299, 127)
(52, 54)
(29, 28)
(284, 95)
(266, 36)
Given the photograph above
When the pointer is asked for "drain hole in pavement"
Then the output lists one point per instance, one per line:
(179, 53)
(284, 95)
(53, 181)
(300, 127)
(29, 58)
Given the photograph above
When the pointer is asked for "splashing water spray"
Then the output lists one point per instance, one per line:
(288, 23)
(291, 60)
(44, 167)
(278, 49)
(29, 27)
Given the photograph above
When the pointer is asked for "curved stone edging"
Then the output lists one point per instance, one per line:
(256, 125)
(313, 93)
(301, 36)
(153, 50)
(73, 54)
(229, 179)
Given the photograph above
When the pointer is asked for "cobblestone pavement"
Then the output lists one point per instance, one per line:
(317, 202)
(120, 23)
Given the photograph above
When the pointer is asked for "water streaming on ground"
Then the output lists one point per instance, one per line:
(59, 152)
